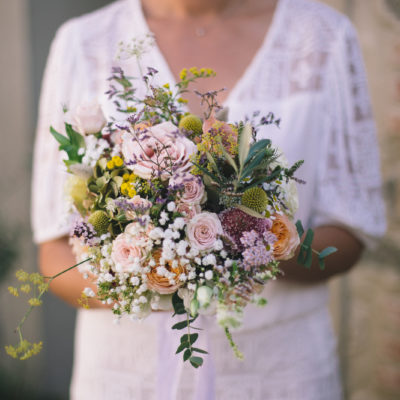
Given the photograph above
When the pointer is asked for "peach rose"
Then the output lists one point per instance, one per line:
(203, 230)
(125, 251)
(287, 237)
(160, 150)
(161, 283)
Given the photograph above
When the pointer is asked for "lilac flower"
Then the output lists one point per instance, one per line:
(256, 256)
(85, 231)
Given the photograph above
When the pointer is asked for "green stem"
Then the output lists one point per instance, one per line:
(42, 292)
(237, 352)
(66, 270)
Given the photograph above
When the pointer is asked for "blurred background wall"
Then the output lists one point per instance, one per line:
(365, 303)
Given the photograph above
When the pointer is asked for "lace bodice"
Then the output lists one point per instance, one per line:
(309, 72)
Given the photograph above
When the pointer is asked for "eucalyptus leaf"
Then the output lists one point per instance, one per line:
(181, 347)
(327, 251)
(196, 361)
(187, 354)
(299, 227)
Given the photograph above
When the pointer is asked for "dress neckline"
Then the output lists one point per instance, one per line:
(166, 71)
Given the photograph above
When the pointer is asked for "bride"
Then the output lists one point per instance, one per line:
(297, 58)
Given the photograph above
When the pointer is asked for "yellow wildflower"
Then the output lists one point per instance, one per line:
(34, 302)
(118, 162)
(110, 164)
(13, 291)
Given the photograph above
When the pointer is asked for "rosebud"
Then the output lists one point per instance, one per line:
(204, 295)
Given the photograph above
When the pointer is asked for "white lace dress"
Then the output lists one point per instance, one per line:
(308, 71)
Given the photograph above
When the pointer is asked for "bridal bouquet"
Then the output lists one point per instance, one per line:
(175, 212)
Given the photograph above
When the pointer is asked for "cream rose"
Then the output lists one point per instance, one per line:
(193, 188)
(87, 118)
(203, 230)
(160, 150)
(287, 237)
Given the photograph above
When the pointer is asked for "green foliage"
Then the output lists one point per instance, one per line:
(306, 250)
(71, 144)
(188, 339)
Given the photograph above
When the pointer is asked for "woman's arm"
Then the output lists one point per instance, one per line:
(349, 252)
(55, 256)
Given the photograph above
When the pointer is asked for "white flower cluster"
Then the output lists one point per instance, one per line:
(94, 149)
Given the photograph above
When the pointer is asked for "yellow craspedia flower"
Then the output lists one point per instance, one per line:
(125, 177)
(118, 162)
(132, 193)
(100, 221)
(191, 123)
(256, 199)
(110, 164)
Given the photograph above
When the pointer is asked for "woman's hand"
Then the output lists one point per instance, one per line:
(349, 252)
(55, 256)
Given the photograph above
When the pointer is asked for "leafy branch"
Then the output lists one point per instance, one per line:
(306, 251)
(188, 339)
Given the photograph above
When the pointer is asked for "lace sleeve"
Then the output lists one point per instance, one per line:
(48, 213)
(349, 182)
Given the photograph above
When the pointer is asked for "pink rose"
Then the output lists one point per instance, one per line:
(193, 188)
(125, 251)
(188, 210)
(87, 118)
(159, 151)
(203, 230)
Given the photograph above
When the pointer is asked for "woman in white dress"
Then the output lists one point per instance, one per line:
(297, 58)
